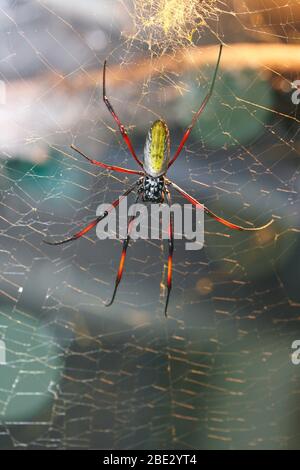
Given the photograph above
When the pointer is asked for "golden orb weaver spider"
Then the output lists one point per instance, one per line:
(152, 185)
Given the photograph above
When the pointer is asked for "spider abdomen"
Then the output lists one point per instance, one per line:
(157, 149)
(152, 189)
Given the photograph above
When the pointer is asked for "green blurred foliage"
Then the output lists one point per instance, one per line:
(227, 120)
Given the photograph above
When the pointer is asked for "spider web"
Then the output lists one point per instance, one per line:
(217, 373)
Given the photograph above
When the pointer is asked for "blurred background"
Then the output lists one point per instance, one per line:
(217, 374)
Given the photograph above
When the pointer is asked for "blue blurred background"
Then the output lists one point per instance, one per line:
(217, 373)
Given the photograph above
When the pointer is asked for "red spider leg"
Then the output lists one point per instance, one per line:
(95, 221)
(118, 169)
(214, 216)
(123, 257)
(200, 110)
(114, 115)
(170, 257)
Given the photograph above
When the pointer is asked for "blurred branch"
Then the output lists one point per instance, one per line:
(39, 111)
(280, 58)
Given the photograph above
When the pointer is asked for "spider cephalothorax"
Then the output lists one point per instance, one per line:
(151, 185)
(152, 189)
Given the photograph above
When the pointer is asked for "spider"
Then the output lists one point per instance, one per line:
(152, 186)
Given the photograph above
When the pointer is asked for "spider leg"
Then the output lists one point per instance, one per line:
(170, 257)
(94, 222)
(123, 257)
(214, 216)
(116, 118)
(198, 113)
(118, 169)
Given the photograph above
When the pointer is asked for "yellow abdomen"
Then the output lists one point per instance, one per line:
(157, 149)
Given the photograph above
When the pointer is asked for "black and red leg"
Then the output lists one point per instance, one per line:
(118, 169)
(198, 113)
(116, 118)
(171, 250)
(123, 257)
(95, 221)
(225, 222)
